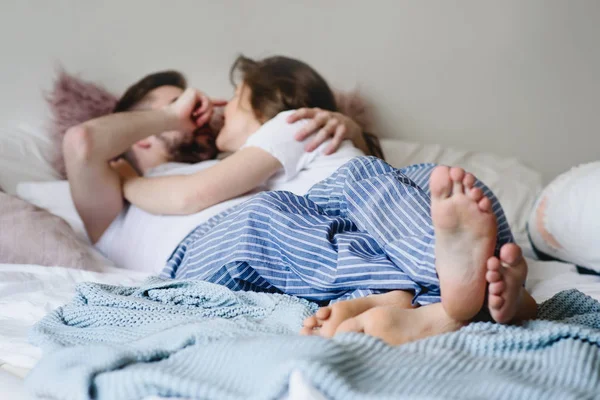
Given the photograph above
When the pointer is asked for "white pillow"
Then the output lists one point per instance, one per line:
(25, 155)
(56, 198)
(572, 217)
(515, 185)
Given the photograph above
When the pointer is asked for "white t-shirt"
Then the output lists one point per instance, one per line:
(142, 241)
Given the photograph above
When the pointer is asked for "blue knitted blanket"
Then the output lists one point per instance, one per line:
(202, 341)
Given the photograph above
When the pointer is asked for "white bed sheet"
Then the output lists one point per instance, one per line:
(28, 292)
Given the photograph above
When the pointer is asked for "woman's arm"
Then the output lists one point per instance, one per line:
(238, 174)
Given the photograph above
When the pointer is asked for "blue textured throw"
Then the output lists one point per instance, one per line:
(202, 341)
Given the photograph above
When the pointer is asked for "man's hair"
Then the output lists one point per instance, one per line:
(281, 83)
(203, 146)
(136, 92)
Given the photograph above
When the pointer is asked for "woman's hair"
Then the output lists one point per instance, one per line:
(281, 83)
(202, 148)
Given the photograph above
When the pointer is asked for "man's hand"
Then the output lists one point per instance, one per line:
(193, 109)
(325, 125)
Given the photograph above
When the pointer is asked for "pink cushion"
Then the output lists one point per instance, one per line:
(73, 101)
(30, 235)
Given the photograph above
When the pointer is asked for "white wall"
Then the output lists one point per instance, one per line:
(517, 77)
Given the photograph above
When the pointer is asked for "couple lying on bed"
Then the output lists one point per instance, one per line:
(399, 254)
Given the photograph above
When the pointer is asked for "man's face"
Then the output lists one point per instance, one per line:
(161, 144)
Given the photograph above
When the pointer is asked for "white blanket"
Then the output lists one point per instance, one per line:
(28, 292)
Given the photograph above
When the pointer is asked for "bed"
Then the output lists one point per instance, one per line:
(28, 292)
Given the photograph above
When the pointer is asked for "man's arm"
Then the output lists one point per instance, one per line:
(325, 125)
(88, 148)
(107, 137)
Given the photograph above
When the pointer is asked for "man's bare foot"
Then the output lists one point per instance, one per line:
(327, 319)
(506, 277)
(465, 237)
(395, 325)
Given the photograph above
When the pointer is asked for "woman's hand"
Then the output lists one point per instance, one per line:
(194, 109)
(325, 125)
(124, 170)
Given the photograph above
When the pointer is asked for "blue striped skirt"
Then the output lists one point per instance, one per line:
(366, 229)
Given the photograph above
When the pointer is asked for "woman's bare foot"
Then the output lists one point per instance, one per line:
(506, 277)
(327, 319)
(465, 237)
(395, 325)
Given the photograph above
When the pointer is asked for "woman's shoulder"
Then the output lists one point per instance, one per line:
(278, 130)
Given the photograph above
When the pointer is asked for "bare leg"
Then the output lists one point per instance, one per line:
(508, 301)
(326, 321)
(465, 234)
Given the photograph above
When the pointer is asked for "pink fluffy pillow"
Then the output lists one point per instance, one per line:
(30, 235)
(73, 101)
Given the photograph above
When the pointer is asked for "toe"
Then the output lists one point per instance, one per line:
(493, 264)
(311, 322)
(440, 183)
(497, 288)
(485, 205)
(493, 276)
(495, 302)
(307, 332)
(469, 181)
(475, 194)
(511, 254)
(457, 175)
(323, 313)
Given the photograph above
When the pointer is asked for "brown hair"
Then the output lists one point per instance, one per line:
(136, 92)
(281, 83)
(203, 146)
